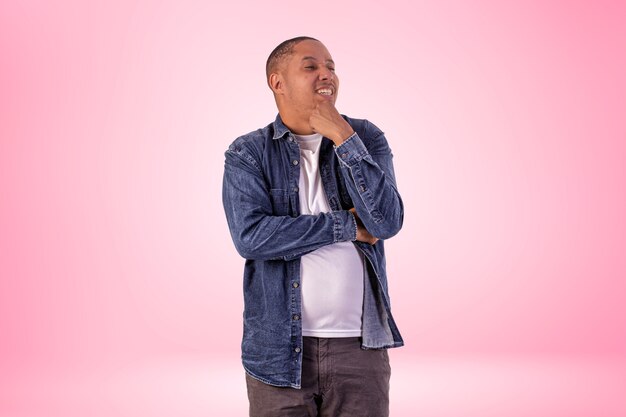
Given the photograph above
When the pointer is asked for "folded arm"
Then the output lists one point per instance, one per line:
(257, 233)
(370, 180)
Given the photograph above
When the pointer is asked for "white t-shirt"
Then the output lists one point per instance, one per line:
(332, 276)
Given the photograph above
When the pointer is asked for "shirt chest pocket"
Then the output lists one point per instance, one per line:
(280, 201)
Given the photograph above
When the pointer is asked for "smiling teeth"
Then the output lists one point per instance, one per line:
(325, 91)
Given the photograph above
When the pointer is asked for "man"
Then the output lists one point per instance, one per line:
(309, 200)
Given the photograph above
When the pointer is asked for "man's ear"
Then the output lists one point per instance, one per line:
(276, 83)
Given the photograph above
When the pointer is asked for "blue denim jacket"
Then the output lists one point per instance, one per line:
(260, 196)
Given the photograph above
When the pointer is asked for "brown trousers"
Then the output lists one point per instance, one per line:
(339, 379)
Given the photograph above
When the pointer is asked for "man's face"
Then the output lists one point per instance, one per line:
(309, 77)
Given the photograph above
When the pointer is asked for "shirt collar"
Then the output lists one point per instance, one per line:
(280, 129)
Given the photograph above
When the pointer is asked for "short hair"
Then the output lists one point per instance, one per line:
(282, 51)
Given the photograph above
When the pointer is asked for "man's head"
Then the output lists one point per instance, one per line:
(281, 52)
(301, 74)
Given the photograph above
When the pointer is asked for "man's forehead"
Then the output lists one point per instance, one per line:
(311, 50)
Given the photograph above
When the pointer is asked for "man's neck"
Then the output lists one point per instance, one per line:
(296, 124)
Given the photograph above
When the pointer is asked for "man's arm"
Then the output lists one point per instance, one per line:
(257, 233)
(368, 171)
(371, 183)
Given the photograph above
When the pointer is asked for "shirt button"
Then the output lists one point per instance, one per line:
(297, 350)
(296, 285)
(344, 155)
(295, 189)
(290, 139)
(295, 162)
(296, 317)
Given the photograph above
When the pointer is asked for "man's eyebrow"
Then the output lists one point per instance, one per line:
(315, 59)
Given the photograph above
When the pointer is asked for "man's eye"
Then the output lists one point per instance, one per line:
(310, 67)
(332, 69)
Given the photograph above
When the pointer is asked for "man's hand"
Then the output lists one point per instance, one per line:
(327, 121)
(362, 235)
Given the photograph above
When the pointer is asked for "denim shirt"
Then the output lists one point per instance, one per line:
(260, 196)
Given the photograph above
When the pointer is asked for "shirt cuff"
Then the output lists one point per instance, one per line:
(344, 227)
(352, 150)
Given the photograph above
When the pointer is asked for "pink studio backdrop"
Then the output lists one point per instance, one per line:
(507, 122)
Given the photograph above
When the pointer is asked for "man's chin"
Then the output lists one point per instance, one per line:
(325, 99)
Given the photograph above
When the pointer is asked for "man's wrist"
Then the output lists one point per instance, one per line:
(342, 135)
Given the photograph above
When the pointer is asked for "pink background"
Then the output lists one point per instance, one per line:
(120, 289)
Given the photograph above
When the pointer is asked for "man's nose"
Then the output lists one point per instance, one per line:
(326, 74)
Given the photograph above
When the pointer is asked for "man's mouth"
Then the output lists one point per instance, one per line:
(325, 91)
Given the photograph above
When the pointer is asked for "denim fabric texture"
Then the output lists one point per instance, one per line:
(260, 196)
